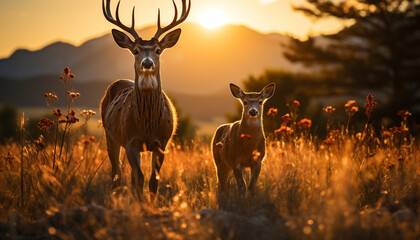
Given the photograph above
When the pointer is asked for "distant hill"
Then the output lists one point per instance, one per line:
(203, 62)
(195, 73)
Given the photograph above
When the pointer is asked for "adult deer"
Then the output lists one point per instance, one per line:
(241, 144)
(137, 115)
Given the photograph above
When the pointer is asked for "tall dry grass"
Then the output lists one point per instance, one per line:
(349, 185)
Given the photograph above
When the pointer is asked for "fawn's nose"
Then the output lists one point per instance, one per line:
(147, 64)
(253, 112)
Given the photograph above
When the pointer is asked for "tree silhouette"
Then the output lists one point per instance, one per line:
(380, 50)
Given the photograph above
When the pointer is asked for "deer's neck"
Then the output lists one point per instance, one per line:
(148, 103)
(250, 126)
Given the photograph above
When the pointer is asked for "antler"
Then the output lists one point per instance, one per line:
(174, 22)
(108, 16)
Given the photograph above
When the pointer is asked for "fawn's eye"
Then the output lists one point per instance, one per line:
(245, 103)
(158, 51)
(135, 52)
(260, 102)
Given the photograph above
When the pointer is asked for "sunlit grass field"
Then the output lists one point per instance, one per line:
(350, 185)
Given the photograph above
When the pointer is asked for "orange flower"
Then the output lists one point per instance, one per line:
(350, 103)
(329, 109)
(296, 102)
(404, 113)
(284, 130)
(286, 119)
(272, 112)
(328, 142)
(399, 130)
(305, 123)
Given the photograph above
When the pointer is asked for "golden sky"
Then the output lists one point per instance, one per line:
(32, 24)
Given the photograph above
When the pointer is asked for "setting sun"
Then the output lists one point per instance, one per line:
(212, 18)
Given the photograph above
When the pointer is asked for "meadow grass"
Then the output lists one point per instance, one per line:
(347, 186)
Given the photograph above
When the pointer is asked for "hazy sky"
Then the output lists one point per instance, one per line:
(33, 24)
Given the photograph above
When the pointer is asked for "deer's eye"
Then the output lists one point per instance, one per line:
(135, 52)
(158, 51)
(245, 103)
(260, 102)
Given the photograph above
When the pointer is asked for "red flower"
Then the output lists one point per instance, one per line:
(45, 124)
(370, 105)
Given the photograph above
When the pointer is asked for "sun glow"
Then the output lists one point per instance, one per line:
(212, 18)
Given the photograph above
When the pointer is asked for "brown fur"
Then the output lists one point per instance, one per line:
(241, 144)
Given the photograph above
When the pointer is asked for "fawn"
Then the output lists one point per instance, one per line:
(241, 144)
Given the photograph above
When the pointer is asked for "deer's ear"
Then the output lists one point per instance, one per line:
(170, 39)
(121, 39)
(236, 91)
(268, 91)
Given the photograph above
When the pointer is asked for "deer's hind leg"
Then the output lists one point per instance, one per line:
(114, 156)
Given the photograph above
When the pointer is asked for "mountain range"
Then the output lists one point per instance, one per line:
(196, 72)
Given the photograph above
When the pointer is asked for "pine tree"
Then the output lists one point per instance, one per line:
(379, 50)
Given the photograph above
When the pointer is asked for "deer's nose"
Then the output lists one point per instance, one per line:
(147, 63)
(253, 112)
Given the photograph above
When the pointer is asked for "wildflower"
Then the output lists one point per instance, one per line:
(305, 123)
(350, 103)
(272, 112)
(8, 157)
(73, 95)
(398, 130)
(404, 114)
(243, 135)
(40, 143)
(334, 133)
(256, 154)
(329, 109)
(370, 104)
(66, 75)
(296, 102)
(45, 124)
(51, 97)
(89, 140)
(57, 113)
(386, 134)
(66, 71)
(286, 119)
(284, 130)
(328, 142)
(88, 114)
(70, 118)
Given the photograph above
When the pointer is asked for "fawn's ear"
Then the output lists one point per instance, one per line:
(268, 91)
(170, 39)
(236, 91)
(121, 39)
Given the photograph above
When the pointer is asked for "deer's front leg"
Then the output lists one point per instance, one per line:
(237, 171)
(157, 161)
(255, 172)
(137, 178)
